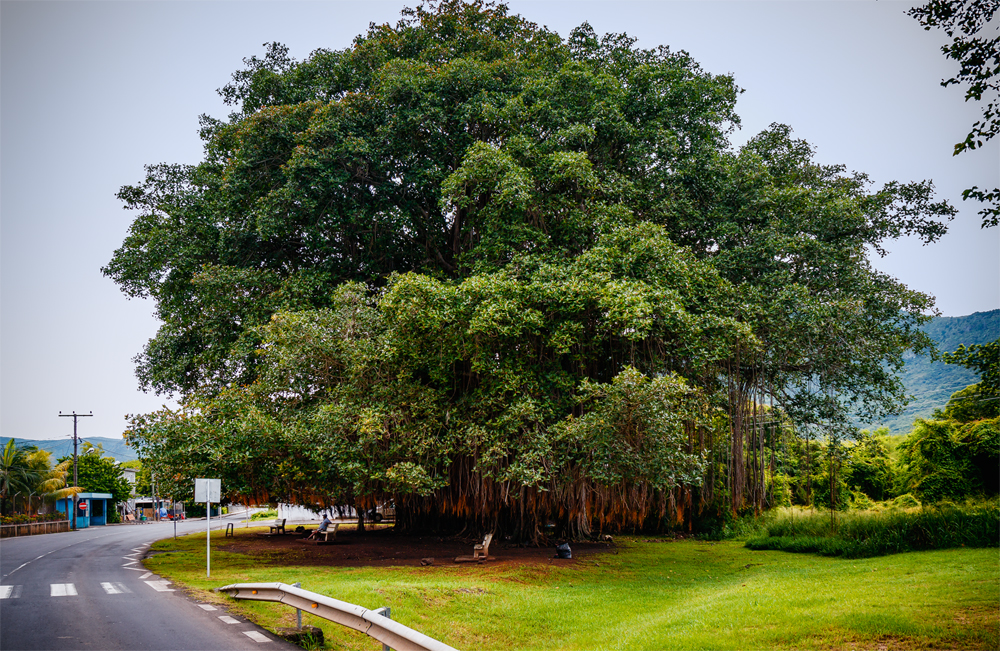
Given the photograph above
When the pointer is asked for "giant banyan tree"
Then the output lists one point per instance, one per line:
(504, 279)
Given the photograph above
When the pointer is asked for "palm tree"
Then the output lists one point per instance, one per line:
(52, 484)
(16, 474)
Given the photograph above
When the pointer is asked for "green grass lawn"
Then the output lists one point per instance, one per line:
(654, 594)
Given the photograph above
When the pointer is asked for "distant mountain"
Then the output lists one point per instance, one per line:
(932, 383)
(64, 447)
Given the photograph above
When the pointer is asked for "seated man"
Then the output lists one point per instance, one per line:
(322, 528)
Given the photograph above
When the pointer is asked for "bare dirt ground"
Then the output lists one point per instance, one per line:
(385, 547)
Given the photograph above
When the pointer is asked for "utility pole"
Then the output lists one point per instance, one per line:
(76, 480)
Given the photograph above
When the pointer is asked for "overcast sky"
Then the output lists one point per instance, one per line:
(92, 91)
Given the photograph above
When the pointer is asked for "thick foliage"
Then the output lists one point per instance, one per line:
(439, 394)
(99, 474)
(944, 459)
(502, 277)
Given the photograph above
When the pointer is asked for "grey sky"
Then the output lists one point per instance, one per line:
(92, 91)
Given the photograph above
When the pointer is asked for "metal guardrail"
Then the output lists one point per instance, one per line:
(390, 633)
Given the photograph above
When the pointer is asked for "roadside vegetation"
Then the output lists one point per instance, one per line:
(267, 514)
(30, 483)
(860, 534)
(655, 593)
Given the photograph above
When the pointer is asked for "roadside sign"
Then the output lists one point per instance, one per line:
(208, 490)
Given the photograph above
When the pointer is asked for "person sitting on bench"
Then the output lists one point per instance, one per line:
(322, 528)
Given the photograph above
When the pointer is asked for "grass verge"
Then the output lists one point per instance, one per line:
(654, 594)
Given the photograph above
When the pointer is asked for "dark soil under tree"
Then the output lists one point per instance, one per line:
(384, 546)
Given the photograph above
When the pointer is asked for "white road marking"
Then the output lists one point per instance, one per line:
(110, 588)
(62, 590)
(6, 591)
(130, 563)
(207, 607)
(256, 637)
(137, 569)
(160, 586)
(55, 550)
(229, 620)
(144, 576)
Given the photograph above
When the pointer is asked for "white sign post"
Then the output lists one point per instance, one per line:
(208, 491)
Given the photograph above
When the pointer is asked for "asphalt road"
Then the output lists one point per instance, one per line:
(87, 589)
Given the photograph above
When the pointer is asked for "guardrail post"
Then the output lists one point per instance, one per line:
(386, 612)
(298, 611)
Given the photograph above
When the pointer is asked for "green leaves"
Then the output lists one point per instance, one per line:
(633, 432)
(500, 277)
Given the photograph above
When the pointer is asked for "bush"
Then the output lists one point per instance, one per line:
(860, 501)
(943, 459)
(870, 533)
(269, 514)
(723, 525)
(28, 519)
(906, 501)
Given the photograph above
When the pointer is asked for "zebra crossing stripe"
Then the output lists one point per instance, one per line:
(62, 590)
(256, 637)
(207, 607)
(159, 586)
(6, 591)
(229, 620)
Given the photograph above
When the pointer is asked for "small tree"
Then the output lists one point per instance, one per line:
(98, 474)
(869, 468)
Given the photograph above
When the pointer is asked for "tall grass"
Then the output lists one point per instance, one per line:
(862, 534)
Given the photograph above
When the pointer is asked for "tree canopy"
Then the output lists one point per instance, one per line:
(966, 22)
(505, 278)
(99, 474)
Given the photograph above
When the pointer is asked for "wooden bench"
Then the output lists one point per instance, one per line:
(322, 537)
(277, 527)
(480, 553)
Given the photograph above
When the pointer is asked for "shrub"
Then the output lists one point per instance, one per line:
(906, 501)
(28, 519)
(943, 459)
(269, 514)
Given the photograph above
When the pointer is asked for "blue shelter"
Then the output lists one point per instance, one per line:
(91, 510)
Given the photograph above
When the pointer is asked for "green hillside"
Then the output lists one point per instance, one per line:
(932, 383)
(64, 447)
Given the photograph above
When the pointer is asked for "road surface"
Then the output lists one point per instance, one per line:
(87, 589)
